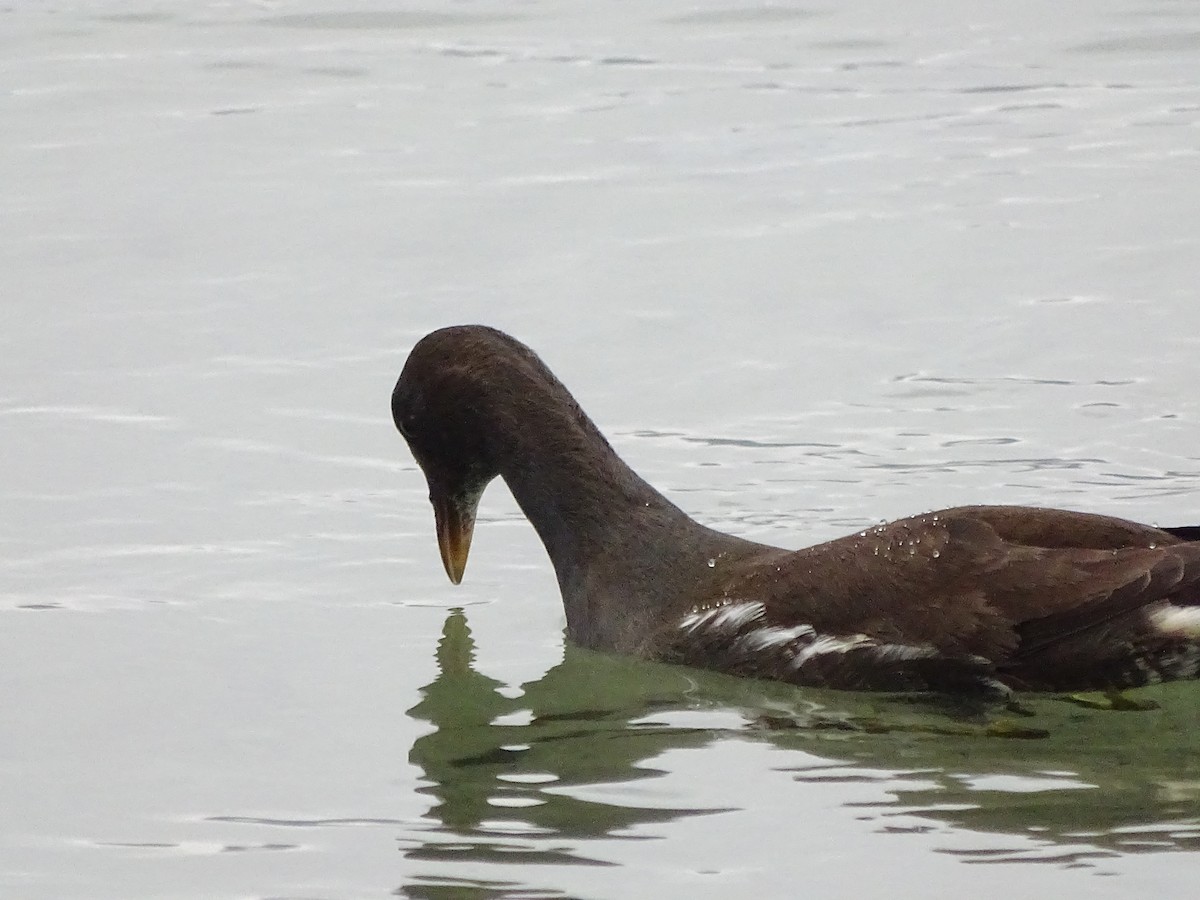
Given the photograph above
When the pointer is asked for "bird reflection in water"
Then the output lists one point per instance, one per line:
(501, 770)
(578, 726)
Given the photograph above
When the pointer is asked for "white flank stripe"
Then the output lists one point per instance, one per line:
(1177, 621)
(736, 615)
(732, 616)
(774, 636)
(824, 645)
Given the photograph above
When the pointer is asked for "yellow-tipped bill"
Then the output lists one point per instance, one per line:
(455, 518)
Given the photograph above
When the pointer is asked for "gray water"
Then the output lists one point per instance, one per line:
(810, 267)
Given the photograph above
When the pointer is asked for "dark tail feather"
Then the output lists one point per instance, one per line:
(1184, 532)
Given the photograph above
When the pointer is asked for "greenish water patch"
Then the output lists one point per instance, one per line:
(502, 767)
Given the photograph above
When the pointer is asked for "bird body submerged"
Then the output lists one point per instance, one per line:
(967, 599)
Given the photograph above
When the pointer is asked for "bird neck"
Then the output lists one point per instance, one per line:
(625, 556)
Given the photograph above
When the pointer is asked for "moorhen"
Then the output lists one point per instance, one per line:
(979, 599)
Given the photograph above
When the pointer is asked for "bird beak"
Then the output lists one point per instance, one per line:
(455, 518)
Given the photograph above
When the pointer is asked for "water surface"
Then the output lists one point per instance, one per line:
(810, 267)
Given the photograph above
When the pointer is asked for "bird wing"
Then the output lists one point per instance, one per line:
(990, 582)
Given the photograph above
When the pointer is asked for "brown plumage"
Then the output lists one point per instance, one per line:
(974, 598)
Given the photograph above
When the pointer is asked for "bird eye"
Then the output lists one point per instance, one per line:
(406, 412)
